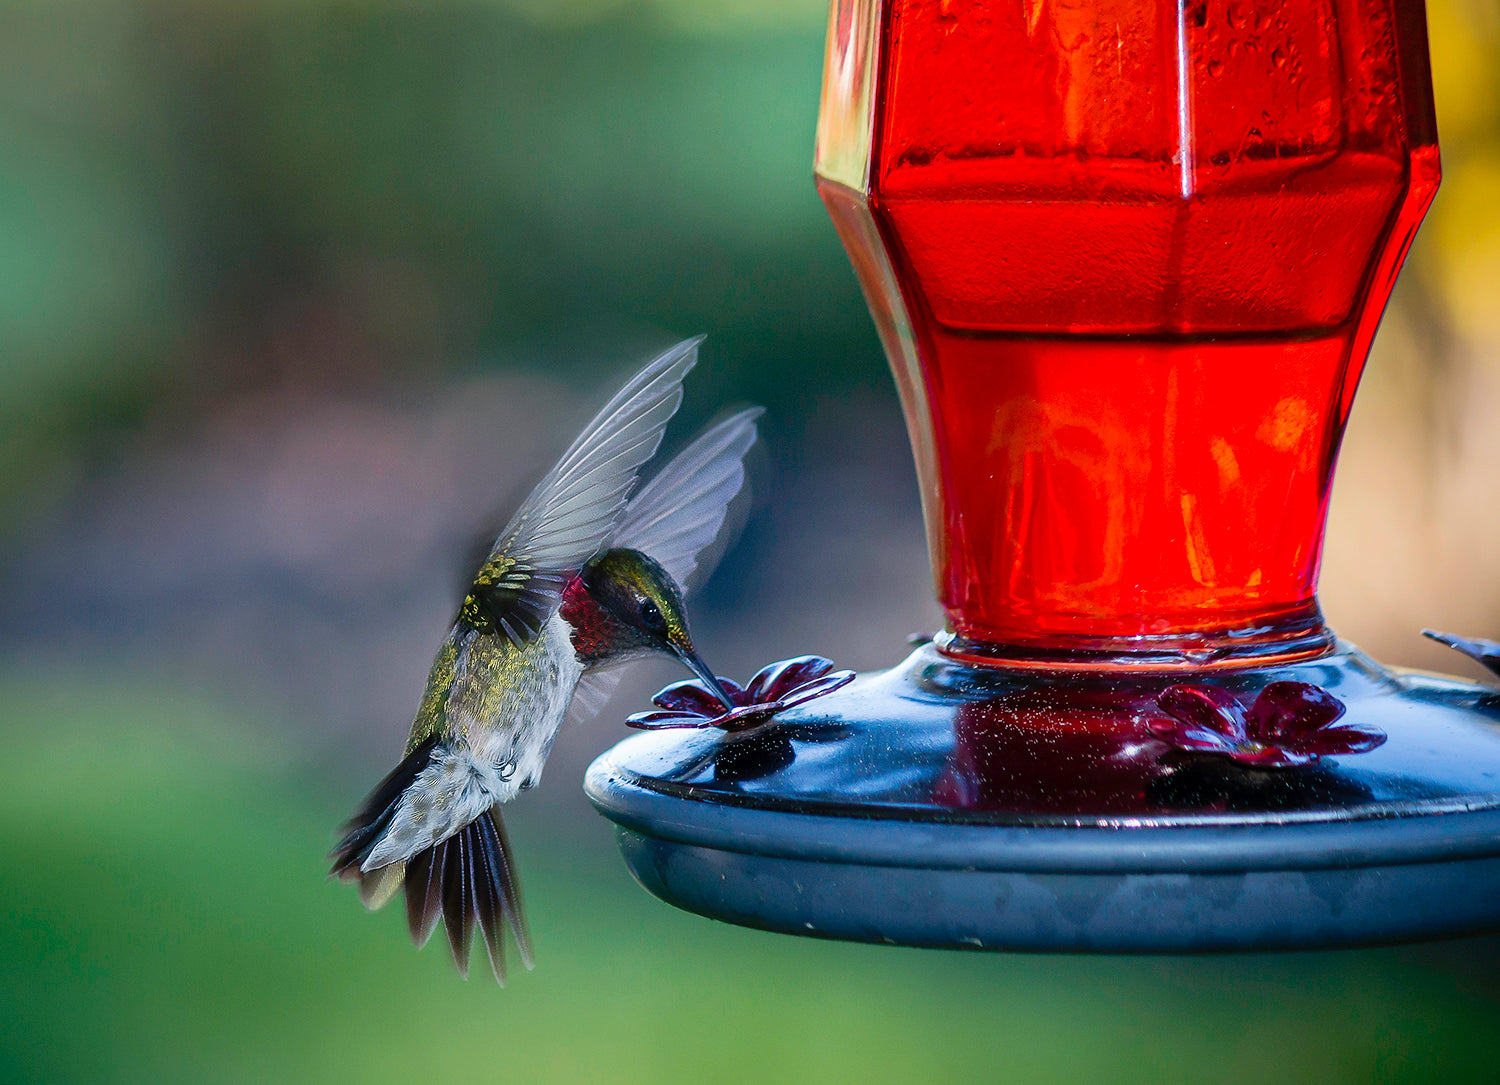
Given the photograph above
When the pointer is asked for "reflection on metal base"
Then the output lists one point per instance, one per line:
(938, 804)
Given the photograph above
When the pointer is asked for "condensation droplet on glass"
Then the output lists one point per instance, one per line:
(1278, 58)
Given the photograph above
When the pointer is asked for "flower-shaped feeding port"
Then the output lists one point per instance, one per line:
(1486, 652)
(774, 689)
(1290, 724)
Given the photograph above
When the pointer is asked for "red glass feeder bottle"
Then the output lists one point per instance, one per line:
(1126, 259)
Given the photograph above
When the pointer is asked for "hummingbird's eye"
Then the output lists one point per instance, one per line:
(651, 616)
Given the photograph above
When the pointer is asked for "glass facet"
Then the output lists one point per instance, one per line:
(1126, 259)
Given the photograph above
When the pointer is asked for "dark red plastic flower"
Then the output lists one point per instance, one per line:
(1290, 723)
(773, 689)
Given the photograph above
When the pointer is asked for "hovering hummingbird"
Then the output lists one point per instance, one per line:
(583, 578)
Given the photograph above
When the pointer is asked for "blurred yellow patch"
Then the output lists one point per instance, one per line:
(1466, 233)
(1463, 36)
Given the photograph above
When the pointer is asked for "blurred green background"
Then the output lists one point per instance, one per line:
(295, 295)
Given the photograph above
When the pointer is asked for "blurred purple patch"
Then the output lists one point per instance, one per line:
(1290, 724)
(774, 689)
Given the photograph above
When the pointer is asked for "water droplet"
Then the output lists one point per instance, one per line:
(1215, 68)
(1278, 58)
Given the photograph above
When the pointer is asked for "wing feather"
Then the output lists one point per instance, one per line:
(593, 691)
(678, 514)
(578, 503)
(676, 518)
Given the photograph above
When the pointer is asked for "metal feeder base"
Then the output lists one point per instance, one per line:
(941, 805)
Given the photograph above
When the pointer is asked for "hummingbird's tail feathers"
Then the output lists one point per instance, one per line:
(424, 892)
(377, 887)
(368, 825)
(679, 515)
(506, 888)
(469, 880)
(460, 889)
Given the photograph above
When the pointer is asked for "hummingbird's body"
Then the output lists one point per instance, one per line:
(495, 708)
(568, 591)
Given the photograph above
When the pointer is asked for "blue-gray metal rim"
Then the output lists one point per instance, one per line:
(839, 834)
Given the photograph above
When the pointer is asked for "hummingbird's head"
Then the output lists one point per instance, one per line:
(641, 610)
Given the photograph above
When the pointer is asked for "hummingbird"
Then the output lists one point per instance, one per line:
(587, 575)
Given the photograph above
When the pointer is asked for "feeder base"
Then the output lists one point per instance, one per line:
(939, 804)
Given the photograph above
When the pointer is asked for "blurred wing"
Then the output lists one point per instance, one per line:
(593, 692)
(675, 518)
(579, 502)
(678, 514)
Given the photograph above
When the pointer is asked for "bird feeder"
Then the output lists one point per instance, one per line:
(1126, 259)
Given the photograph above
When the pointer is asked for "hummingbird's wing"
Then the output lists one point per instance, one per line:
(676, 518)
(577, 506)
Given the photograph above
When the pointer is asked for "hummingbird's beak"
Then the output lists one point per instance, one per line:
(700, 668)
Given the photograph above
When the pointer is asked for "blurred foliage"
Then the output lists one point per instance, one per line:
(197, 198)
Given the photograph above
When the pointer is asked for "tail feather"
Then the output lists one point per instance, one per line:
(458, 896)
(364, 830)
(377, 887)
(487, 907)
(469, 881)
(424, 882)
(465, 880)
(502, 866)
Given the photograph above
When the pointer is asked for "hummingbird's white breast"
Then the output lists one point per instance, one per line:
(511, 746)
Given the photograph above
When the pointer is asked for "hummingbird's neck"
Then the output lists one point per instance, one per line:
(597, 635)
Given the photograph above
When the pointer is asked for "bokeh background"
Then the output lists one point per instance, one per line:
(296, 296)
